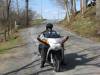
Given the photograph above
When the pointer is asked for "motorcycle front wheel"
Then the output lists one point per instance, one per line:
(56, 63)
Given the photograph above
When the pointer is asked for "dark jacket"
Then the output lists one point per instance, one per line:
(49, 34)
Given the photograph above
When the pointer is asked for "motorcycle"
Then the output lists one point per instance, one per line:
(56, 51)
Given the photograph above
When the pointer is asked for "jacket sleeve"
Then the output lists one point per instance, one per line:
(42, 39)
(65, 39)
(41, 36)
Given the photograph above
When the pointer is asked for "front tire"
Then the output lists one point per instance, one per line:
(56, 63)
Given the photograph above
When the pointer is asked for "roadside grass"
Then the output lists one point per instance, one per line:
(85, 25)
(8, 45)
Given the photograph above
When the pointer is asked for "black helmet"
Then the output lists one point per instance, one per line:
(49, 25)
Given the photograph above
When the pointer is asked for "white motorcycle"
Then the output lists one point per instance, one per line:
(56, 51)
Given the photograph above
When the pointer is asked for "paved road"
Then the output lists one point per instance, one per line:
(82, 56)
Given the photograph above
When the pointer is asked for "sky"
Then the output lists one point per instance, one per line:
(47, 8)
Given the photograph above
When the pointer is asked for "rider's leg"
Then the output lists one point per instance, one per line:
(43, 56)
(40, 48)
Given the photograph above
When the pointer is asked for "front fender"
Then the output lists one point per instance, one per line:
(51, 50)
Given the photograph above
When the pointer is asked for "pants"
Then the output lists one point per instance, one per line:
(43, 52)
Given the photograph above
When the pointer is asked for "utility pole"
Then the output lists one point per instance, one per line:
(41, 8)
(17, 7)
(17, 12)
(27, 24)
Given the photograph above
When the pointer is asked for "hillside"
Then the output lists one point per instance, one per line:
(84, 25)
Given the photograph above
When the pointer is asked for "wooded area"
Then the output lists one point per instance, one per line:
(10, 17)
(70, 6)
(82, 20)
(76, 21)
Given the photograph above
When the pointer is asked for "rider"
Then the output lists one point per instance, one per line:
(43, 48)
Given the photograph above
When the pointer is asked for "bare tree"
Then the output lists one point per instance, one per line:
(69, 6)
(5, 17)
(73, 7)
(64, 4)
(1, 11)
(26, 1)
(17, 7)
(8, 3)
(17, 15)
(67, 10)
(83, 4)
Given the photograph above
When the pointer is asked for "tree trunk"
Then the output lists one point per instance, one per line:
(17, 7)
(17, 12)
(67, 16)
(8, 2)
(74, 6)
(27, 13)
(83, 6)
(98, 10)
(5, 36)
(71, 4)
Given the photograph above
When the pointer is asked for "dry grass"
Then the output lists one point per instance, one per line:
(6, 46)
(85, 26)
